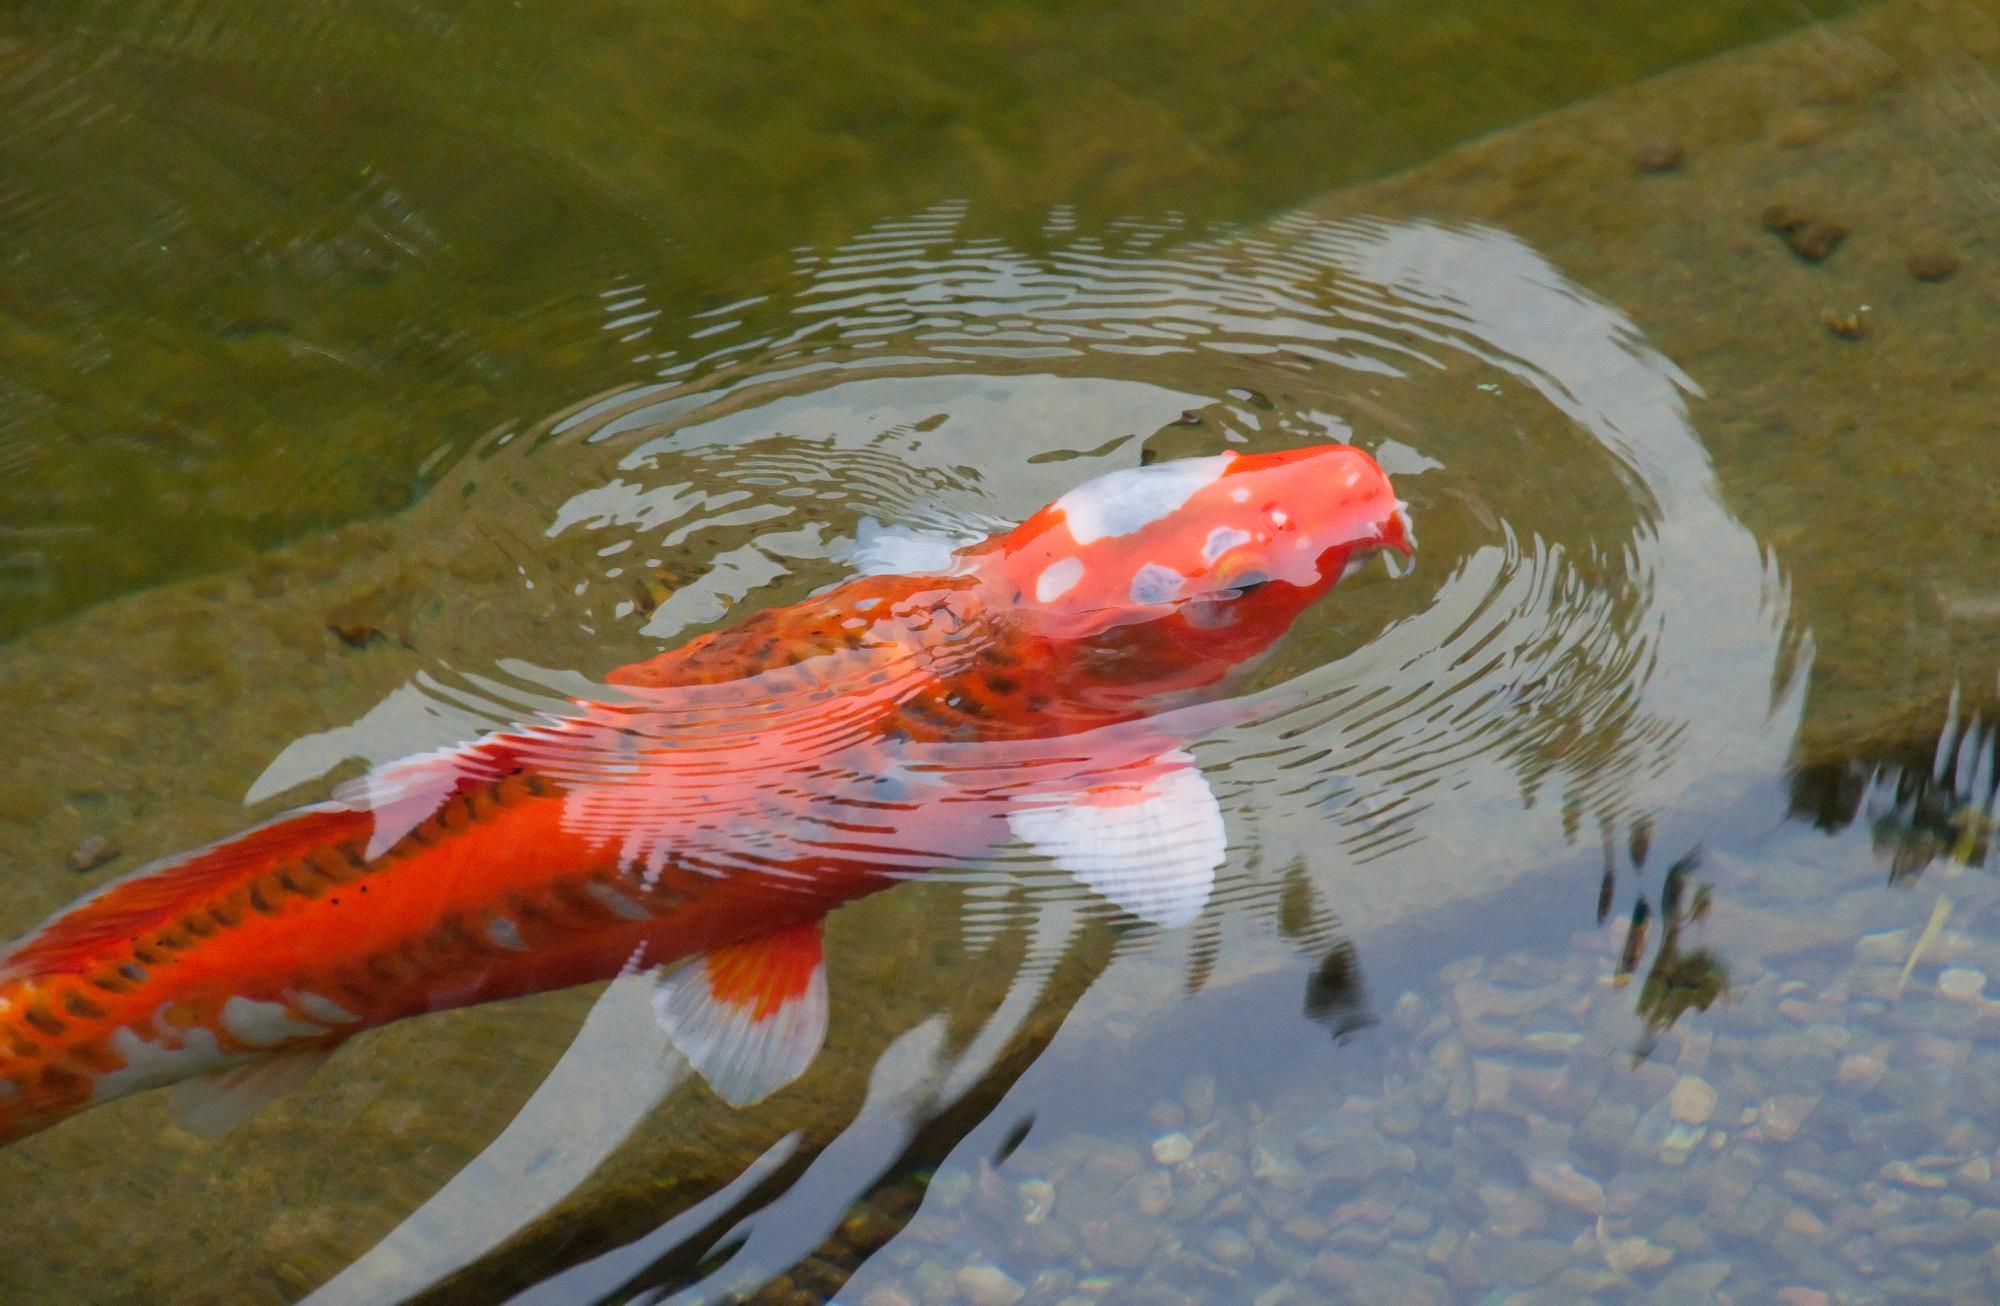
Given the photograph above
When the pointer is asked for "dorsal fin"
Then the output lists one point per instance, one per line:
(156, 893)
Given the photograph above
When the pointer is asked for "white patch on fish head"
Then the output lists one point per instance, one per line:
(1220, 541)
(1121, 502)
(1058, 579)
(1153, 584)
(265, 1024)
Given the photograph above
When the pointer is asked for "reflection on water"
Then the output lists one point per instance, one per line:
(1502, 982)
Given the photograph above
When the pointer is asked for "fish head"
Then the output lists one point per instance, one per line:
(1235, 543)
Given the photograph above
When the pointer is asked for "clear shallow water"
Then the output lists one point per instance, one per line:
(1395, 1048)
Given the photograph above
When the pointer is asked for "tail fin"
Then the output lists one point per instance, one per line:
(157, 893)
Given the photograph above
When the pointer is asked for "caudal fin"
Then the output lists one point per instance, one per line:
(155, 895)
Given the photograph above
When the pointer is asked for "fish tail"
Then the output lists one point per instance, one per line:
(70, 986)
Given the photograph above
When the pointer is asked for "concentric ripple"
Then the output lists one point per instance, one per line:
(1588, 648)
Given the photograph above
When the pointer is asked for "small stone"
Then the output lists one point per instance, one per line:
(91, 852)
(1902, 1172)
(886, 1296)
(1961, 983)
(1489, 1085)
(1333, 1269)
(1861, 1070)
(1662, 154)
(1978, 1170)
(1931, 264)
(988, 1285)
(1798, 1295)
(1811, 238)
(1198, 1096)
(1805, 1224)
(1567, 1185)
(1628, 1254)
(1843, 324)
(1692, 1100)
(1781, 1117)
(1231, 1248)
(1308, 1229)
(1883, 947)
(1173, 1149)
(1152, 1193)
(1167, 1115)
(1551, 1040)
(1681, 1140)
(1121, 1243)
(1038, 1199)
(949, 1189)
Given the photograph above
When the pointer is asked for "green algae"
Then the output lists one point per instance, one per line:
(262, 269)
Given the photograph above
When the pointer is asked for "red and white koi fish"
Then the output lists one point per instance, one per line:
(713, 808)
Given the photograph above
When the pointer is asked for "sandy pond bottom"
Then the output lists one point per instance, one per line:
(1517, 1130)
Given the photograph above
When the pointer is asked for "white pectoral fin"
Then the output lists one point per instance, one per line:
(750, 1017)
(1151, 846)
(223, 1099)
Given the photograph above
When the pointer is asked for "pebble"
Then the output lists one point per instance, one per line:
(1978, 1170)
(1961, 983)
(1231, 1248)
(1902, 1172)
(1628, 1254)
(1173, 1148)
(1121, 1243)
(1692, 1100)
(988, 1285)
(1781, 1117)
(1810, 237)
(1861, 1070)
(91, 852)
(1931, 264)
(1567, 1185)
(1662, 154)
(1198, 1096)
(1805, 1224)
(1152, 1193)
(1681, 1140)
(1038, 1200)
(1799, 1295)
(888, 1297)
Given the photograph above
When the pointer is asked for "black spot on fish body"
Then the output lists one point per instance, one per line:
(44, 1020)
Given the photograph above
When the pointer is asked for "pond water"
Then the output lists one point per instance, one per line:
(1607, 910)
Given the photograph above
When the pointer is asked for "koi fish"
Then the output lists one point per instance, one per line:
(704, 815)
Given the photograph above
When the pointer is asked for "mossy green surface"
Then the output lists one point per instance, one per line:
(263, 263)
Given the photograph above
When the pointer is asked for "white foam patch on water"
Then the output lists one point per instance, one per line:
(1123, 501)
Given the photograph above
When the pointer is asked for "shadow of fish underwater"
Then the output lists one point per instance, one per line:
(723, 797)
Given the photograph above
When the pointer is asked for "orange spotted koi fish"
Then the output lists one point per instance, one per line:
(702, 816)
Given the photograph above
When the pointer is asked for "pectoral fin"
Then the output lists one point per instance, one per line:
(218, 1102)
(749, 1017)
(1151, 846)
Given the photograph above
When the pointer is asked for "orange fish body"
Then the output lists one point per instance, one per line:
(735, 791)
